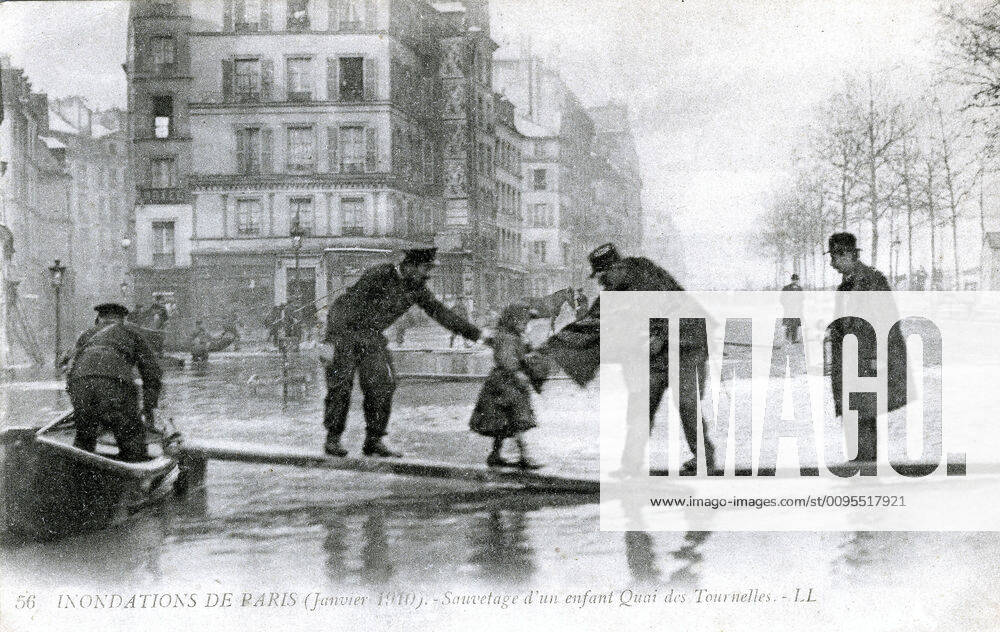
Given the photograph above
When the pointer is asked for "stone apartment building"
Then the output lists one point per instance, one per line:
(95, 148)
(582, 181)
(368, 126)
(37, 227)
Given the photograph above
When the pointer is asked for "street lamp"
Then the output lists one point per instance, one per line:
(297, 234)
(56, 272)
(126, 272)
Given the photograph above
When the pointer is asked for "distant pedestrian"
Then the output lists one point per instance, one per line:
(582, 303)
(503, 410)
(792, 306)
(200, 342)
(158, 314)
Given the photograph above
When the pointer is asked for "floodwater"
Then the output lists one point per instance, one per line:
(262, 528)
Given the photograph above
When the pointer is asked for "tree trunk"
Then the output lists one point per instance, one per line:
(954, 239)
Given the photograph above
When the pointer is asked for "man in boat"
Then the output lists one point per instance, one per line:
(577, 346)
(354, 343)
(101, 386)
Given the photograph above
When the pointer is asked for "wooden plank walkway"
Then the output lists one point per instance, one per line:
(302, 457)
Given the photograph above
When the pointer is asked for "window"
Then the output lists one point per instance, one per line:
(301, 149)
(352, 216)
(163, 173)
(299, 79)
(248, 214)
(163, 112)
(250, 150)
(300, 213)
(352, 85)
(248, 15)
(298, 15)
(352, 143)
(539, 178)
(352, 15)
(247, 79)
(538, 251)
(163, 51)
(163, 244)
(541, 215)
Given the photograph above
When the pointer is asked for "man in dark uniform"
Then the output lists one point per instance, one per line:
(792, 306)
(577, 346)
(858, 277)
(101, 386)
(354, 342)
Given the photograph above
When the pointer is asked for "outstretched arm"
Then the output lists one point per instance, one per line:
(444, 316)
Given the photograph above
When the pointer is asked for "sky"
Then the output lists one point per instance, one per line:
(719, 91)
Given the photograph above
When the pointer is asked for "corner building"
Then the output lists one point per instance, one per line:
(251, 117)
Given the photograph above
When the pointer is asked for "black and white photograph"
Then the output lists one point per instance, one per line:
(301, 326)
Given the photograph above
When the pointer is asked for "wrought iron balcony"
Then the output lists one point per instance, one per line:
(163, 196)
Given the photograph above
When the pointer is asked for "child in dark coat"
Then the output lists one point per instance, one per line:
(503, 409)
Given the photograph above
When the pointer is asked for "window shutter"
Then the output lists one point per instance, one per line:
(265, 15)
(146, 54)
(371, 149)
(241, 14)
(227, 79)
(241, 151)
(267, 79)
(333, 23)
(340, 150)
(370, 79)
(227, 15)
(266, 160)
(332, 161)
(332, 87)
(370, 21)
(314, 156)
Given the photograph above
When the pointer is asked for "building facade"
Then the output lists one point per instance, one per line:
(356, 123)
(37, 227)
(94, 146)
(582, 181)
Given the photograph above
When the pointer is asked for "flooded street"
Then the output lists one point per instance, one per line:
(261, 528)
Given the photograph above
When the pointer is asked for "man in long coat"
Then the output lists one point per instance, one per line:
(858, 277)
(577, 346)
(354, 343)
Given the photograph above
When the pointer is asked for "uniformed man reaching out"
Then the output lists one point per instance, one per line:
(354, 342)
(101, 386)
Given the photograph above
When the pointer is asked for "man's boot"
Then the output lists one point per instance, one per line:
(375, 447)
(333, 447)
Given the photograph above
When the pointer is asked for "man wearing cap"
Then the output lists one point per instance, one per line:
(101, 386)
(858, 277)
(577, 346)
(354, 343)
(792, 306)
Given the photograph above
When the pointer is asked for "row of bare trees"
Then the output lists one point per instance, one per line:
(875, 162)
(910, 166)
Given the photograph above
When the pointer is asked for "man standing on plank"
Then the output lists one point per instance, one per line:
(354, 343)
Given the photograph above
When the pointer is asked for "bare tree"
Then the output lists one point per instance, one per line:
(974, 35)
(959, 172)
(836, 146)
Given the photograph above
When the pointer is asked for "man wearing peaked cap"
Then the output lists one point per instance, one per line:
(101, 386)
(354, 343)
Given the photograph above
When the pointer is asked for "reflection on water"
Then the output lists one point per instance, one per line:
(260, 526)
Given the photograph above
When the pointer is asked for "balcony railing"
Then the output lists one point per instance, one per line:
(163, 196)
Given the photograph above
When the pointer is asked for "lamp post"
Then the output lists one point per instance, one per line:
(56, 272)
(297, 234)
(126, 244)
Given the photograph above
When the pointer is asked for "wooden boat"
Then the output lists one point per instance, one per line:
(51, 489)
